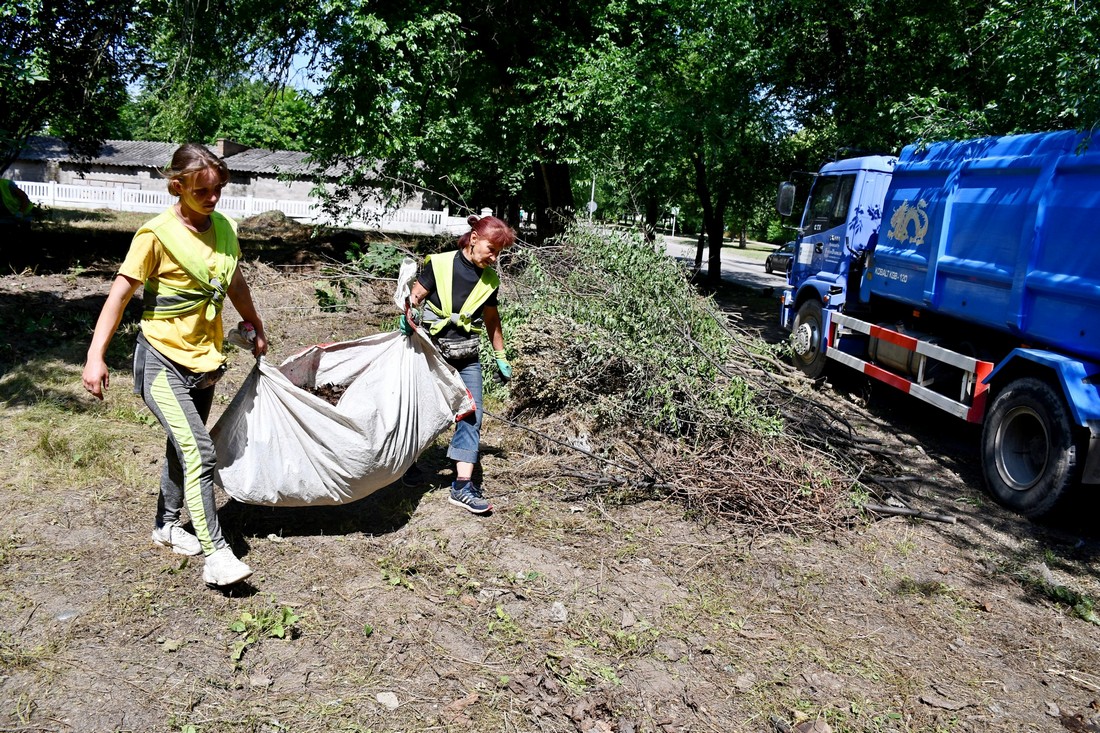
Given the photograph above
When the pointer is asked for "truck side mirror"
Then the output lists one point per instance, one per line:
(784, 200)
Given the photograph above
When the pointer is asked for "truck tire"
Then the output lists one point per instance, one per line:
(808, 335)
(1029, 454)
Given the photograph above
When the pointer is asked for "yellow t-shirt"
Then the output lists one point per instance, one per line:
(191, 341)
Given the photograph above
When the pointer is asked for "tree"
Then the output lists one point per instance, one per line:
(248, 111)
(466, 99)
(211, 65)
(1029, 66)
(875, 76)
(707, 105)
(64, 65)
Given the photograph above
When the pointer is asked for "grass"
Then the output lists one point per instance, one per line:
(729, 626)
(107, 220)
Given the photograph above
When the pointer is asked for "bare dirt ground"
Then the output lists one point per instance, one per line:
(401, 612)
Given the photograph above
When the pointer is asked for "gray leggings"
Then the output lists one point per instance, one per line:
(181, 399)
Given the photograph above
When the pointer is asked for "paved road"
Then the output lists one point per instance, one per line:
(736, 269)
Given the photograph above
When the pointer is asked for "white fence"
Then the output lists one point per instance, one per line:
(398, 221)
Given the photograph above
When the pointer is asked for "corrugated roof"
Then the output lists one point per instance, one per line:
(145, 154)
(257, 160)
(140, 153)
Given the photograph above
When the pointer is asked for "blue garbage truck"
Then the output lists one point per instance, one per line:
(966, 274)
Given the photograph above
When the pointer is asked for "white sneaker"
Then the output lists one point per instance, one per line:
(177, 539)
(223, 568)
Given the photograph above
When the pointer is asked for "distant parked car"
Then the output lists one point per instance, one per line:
(780, 260)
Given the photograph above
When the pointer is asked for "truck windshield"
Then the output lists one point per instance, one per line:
(828, 204)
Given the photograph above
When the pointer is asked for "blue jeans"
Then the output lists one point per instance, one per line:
(467, 438)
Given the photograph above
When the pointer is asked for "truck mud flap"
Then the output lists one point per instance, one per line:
(973, 393)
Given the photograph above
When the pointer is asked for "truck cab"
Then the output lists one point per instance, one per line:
(839, 225)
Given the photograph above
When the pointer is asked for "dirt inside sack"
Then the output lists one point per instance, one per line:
(330, 393)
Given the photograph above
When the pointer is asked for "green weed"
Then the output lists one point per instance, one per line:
(504, 627)
(397, 576)
(335, 299)
(86, 449)
(13, 657)
(1079, 604)
(273, 623)
(7, 545)
(579, 675)
(75, 271)
(376, 258)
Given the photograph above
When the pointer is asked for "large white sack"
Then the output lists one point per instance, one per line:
(278, 444)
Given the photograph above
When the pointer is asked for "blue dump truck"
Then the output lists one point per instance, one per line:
(966, 274)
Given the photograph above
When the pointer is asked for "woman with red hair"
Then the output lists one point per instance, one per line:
(458, 292)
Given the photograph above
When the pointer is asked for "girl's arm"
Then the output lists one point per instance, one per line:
(96, 377)
(241, 297)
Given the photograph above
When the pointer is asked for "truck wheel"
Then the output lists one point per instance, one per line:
(1029, 455)
(808, 335)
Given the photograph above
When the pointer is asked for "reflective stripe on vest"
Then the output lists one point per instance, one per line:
(165, 301)
(436, 319)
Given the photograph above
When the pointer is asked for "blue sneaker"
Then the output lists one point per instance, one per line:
(468, 496)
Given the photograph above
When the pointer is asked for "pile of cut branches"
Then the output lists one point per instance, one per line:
(679, 401)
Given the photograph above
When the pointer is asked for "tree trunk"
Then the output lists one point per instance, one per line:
(651, 211)
(553, 199)
(713, 214)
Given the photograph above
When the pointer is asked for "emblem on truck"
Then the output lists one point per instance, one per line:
(905, 215)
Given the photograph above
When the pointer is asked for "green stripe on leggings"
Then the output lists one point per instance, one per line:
(168, 402)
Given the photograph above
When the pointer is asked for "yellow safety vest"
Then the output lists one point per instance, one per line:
(11, 203)
(436, 319)
(165, 301)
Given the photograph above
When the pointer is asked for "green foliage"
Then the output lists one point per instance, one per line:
(636, 335)
(209, 67)
(579, 675)
(64, 66)
(396, 574)
(335, 298)
(693, 103)
(1078, 604)
(376, 258)
(266, 623)
(58, 445)
(504, 627)
(247, 111)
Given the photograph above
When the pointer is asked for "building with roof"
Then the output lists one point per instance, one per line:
(126, 176)
(136, 164)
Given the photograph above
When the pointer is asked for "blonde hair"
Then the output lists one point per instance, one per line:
(190, 158)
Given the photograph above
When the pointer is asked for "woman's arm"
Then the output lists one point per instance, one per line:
(418, 296)
(493, 328)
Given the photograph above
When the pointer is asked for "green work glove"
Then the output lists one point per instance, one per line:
(407, 325)
(503, 366)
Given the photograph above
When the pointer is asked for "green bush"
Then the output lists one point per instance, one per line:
(376, 258)
(605, 314)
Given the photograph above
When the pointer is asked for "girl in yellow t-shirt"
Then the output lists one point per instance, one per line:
(186, 258)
